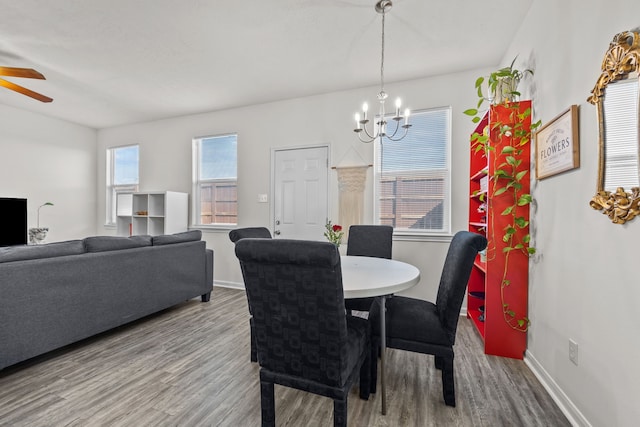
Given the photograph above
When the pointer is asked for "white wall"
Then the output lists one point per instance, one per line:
(327, 119)
(49, 160)
(583, 285)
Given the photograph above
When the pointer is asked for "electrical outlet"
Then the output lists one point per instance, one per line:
(573, 352)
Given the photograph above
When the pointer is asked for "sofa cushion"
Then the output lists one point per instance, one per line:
(49, 250)
(114, 243)
(186, 236)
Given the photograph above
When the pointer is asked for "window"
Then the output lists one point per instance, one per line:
(215, 180)
(412, 175)
(122, 176)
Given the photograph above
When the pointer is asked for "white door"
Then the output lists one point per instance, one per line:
(300, 196)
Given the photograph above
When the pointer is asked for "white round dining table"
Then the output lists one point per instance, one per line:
(371, 277)
(364, 277)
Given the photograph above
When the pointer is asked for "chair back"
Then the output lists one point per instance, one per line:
(294, 288)
(455, 275)
(370, 240)
(249, 233)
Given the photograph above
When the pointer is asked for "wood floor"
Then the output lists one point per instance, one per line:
(189, 366)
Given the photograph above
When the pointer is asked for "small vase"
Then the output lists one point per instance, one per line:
(37, 235)
(505, 88)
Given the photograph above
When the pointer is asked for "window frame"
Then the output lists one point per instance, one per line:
(196, 205)
(113, 190)
(407, 233)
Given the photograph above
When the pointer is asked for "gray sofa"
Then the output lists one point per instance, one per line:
(56, 294)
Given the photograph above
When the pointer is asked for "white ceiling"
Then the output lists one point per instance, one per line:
(113, 62)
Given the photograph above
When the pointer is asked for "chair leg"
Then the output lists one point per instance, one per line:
(438, 362)
(448, 385)
(339, 413)
(268, 404)
(365, 376)
(254, 351)
(373, 380)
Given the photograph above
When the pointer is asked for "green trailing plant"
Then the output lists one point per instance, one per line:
(511, 136)
(507, 180)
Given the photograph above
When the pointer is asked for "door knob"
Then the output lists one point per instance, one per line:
(277, 232)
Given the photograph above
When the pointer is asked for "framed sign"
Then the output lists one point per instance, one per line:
(558, 145)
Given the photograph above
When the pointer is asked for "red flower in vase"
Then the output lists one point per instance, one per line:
(334, 233)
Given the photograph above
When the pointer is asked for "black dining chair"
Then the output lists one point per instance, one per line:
(247, 233)
(372, 241)
(424, 327)
(303, 336)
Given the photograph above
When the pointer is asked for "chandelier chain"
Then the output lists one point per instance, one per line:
(382, 56)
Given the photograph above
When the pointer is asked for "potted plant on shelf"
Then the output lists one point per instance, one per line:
(502, 88)
(38, 234)
(504, 145)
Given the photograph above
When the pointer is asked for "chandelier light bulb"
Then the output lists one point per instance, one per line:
(407, 112)
(357, 120)
(398, 105)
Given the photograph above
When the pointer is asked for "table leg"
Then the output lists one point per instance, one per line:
(383, 350)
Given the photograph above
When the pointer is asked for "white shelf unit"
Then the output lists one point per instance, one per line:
(153, 213)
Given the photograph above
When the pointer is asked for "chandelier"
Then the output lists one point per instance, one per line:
(379, 128)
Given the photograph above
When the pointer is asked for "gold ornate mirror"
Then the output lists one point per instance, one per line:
(617, 98)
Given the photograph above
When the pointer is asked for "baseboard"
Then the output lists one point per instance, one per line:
(232, 285)
(565, 404)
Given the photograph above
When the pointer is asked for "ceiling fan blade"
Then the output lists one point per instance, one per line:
(25, 91)
(29, 73)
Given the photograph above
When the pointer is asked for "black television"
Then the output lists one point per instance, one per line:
(13, 230)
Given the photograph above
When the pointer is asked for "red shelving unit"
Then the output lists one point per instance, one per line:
(485, 294)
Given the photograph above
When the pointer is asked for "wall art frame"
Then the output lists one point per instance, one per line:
(558, 144)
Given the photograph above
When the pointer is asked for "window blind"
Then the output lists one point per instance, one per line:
(412, 175)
